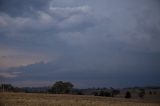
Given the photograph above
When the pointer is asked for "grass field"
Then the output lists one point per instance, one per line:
(29, 99)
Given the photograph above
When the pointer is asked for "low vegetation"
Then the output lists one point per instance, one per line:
(63, 94)
(35, 99)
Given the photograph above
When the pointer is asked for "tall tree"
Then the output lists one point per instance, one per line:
(6, 88)
(61, 87)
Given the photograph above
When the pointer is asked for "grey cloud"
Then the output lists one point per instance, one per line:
(4, 75)
(17, 8)
(68, 18)
(137, 70)
(45, 26)
(95, 40)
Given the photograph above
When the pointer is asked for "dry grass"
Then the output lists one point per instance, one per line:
(23, 99)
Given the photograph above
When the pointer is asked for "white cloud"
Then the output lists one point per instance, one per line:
(9, 74)
(84, 9)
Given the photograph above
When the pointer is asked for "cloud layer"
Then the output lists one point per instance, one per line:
(99, 43)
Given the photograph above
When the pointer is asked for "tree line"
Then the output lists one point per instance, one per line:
(61, 87)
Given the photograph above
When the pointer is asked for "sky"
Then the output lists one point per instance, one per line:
(91, 43)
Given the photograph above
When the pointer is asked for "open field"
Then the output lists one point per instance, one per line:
(29, 99)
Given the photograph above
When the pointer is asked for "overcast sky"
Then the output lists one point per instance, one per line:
(92, 43)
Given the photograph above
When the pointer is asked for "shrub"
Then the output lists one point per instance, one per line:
(128, 95)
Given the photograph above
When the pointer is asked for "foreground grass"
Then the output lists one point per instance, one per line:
(26, 99)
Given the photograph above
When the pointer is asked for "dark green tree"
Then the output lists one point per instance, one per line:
(141, 93)
(6, 88)
(61, 87)
(107, 94)
(115, 92)
(95, 93)
(101, 93)
(128, 95)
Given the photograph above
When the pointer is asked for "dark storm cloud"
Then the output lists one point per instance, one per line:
(44, 24)
(105, 41)
(22, 7)
(137, 69)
